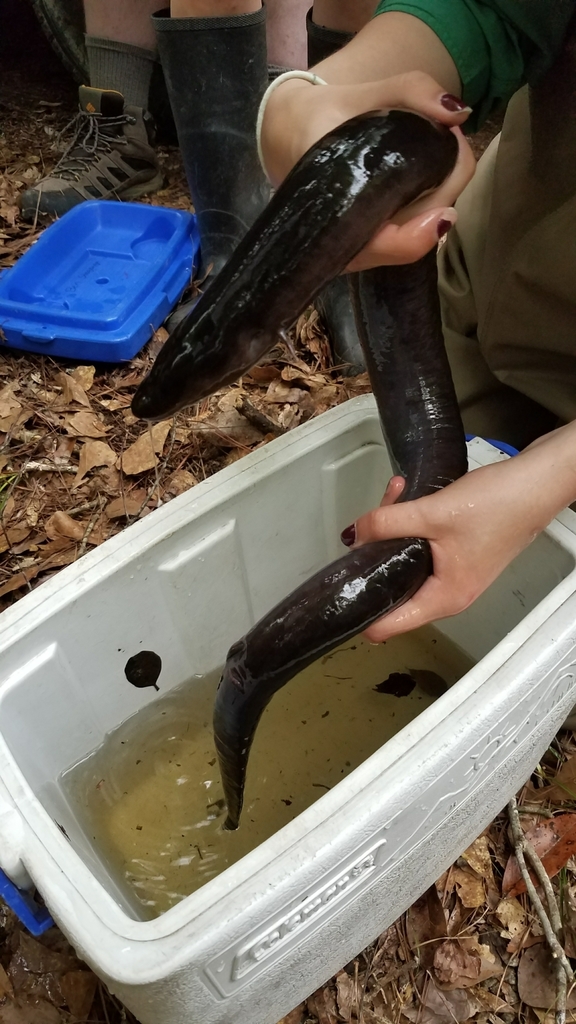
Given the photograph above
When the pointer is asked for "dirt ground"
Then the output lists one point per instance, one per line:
(76, 468)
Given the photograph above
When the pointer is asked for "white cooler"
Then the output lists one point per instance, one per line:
(189, 580)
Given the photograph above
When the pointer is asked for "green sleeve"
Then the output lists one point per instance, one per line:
(497, 45)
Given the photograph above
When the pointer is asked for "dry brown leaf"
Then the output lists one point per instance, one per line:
(84, 376)
(470, 887)
(92, 454)
(85, 424)
(562, 789)
(439, 1007)
(454, 966)
(346, 995)
(131, 380)
(64, 450)
(52, 546)
(19, 579)
(537, 978)
(426, 925)
(10, 407)
(157, 342)
(234, 455)
(128, 505)
(6, 988)
(512, 916)
(228, 428)
(72, 391)
(489, 1001)
(490, 965)
(323, 1005)
(33, 957)
(99, 532)
(22, 579)
(357, 385)
(113, 404)
(463, 961)
(12, 536)
(109, 480)
(8, 510)
(79, 989)
(479, 858)
(264, 374)
(57, 560)
(60, 524)
(129, 418)
(29, 1012)
(180, 481)
(555, 843)
(141, 455)
(289, 417)
(326, 397)
(33, 510)
(457, 916)
(280, 393)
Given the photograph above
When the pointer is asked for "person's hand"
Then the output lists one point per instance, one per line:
(298, 114)
(475, 526)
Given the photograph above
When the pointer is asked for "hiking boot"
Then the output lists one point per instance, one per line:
(110, 157)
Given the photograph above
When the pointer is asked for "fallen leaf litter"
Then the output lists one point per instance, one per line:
(75, 468)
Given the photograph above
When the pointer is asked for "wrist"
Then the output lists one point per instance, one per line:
(280, 132)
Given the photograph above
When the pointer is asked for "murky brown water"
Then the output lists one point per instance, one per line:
(150, 797)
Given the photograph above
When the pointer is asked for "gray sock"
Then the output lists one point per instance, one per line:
(122, 67)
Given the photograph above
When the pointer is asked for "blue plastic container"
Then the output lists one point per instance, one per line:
(98, 282)
(502, 446)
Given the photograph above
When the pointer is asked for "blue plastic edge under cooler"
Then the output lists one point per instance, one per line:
(99, 281)
(33, 916)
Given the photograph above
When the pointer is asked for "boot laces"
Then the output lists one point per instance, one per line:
(93, 133)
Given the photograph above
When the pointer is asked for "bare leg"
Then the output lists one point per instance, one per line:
(126, 21)
(286, 32)
(343, 15)
(212, 8)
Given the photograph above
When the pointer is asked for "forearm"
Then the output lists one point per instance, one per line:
(391, 44)
(553, 470)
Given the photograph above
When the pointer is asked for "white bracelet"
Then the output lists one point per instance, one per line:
(308, 76)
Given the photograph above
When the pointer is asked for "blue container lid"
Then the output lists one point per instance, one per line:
(502, 446)
(99, 281)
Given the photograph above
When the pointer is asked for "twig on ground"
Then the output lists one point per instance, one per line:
(258, 418)
(551, 922)
(89, 528)
(533, 809)
(47, 467)
(86, 507)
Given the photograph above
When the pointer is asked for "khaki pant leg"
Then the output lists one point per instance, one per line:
(489, 408)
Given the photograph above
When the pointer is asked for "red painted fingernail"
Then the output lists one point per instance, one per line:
(443, 227)
(348, 536)
(453, 104)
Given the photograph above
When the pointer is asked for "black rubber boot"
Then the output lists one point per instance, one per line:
(216, 73)
(323, 42)
(334, 303)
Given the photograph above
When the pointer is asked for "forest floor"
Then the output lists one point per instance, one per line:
(76, 467)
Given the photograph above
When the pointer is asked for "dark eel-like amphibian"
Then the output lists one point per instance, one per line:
(328, 208)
